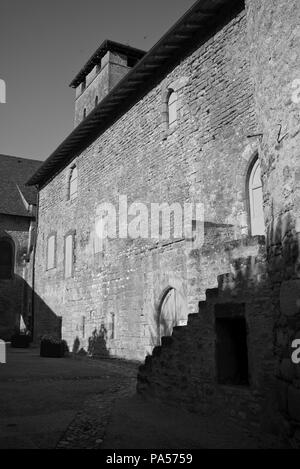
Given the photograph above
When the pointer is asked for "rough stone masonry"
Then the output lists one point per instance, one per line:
(235, 70)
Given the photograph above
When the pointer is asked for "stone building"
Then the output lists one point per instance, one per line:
(17, 219)
(210, 115)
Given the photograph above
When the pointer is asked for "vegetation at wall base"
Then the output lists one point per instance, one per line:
(52, 347)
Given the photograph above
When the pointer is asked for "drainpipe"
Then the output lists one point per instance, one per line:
(33, 265)
(30, 231)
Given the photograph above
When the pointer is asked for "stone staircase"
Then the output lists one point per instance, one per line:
(182, 371)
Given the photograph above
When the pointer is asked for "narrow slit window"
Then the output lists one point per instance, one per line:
(51, 252)
(112, 326)
(172, 109)
(69, 255)
(83, 326)
(73, 183)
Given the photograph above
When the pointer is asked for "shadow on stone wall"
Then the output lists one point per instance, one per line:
(96, 344)
(164, 328)
(267, 284)
(19, 304)
(16, 298)
(284, 267)
(10, 306)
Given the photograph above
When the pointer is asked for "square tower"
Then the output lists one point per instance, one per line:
(107, 66)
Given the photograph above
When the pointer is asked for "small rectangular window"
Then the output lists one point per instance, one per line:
(83, 326)
(231, 350)
(69, 255)
(51, 252)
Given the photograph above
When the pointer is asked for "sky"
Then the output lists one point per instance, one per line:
(43, 44)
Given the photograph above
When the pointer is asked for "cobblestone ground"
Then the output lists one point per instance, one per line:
(88, 429)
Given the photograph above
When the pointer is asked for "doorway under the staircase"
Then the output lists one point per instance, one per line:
(231, 346)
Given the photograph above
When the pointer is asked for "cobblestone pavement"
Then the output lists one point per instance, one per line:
(88, 429)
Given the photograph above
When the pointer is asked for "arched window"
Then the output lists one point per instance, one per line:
(84, 113)
(73, 183)
(255, 192)
(6, 258)
(172, 109)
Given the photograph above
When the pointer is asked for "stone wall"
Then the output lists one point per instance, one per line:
(15, 293)
(204, 158)
(274, 35)
(184, 371)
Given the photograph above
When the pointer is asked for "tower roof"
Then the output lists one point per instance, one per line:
(106, 46)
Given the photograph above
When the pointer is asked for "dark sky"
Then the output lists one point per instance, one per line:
(43, 44)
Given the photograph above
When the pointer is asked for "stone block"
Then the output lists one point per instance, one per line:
(287, 370)
(294, 403)
(282, 395)
(290, 297)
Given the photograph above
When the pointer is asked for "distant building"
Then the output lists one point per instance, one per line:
(17, 230)
(210, 114)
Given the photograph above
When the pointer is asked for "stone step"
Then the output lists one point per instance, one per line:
(193, 318)
(156, 352)
(179, 330)
(202, 306)
(211, 293)
(167, 341)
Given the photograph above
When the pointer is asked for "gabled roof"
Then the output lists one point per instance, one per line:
(130, 52)
(15, 196)
(195, 26)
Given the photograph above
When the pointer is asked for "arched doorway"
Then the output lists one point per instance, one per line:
(172, 312)
(6, 258)
(255, 193)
